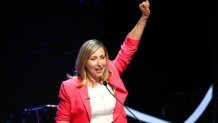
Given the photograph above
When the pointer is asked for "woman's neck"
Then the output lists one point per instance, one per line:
(91, 82)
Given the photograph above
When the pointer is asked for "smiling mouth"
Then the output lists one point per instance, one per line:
(98, 70)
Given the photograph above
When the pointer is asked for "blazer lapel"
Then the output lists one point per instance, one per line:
(85, 99)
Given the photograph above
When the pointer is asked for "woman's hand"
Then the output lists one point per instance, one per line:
(145, 8)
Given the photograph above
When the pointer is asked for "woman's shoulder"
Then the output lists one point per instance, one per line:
(111, 65)
(73, 81)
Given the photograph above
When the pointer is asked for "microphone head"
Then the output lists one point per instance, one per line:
(104, 83)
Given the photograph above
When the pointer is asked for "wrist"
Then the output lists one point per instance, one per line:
(144, 17)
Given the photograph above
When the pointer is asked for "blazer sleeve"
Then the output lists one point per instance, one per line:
(125, 54)
(63, 109)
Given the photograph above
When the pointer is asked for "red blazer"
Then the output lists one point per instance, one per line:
(74, 105)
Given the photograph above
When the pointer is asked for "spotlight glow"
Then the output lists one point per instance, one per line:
(191, 119)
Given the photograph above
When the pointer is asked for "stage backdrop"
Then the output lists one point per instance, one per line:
(167, 78)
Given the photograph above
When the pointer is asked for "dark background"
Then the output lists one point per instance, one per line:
(174, 66)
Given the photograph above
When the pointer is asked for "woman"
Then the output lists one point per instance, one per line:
(83, 97)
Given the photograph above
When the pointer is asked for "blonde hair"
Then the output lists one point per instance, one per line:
(86, 50)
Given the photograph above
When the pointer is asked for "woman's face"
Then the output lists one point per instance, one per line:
(96, 64)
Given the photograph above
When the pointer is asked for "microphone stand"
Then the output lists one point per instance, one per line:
(36, 109)
(105, 84)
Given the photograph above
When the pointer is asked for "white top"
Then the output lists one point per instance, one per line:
(102, 104)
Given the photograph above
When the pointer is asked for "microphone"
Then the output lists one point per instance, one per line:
(105, 84)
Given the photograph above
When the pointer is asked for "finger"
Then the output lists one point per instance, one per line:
(145, 4)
